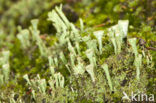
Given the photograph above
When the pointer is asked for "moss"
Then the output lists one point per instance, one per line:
(44, 25)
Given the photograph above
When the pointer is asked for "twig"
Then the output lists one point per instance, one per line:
(151, 48)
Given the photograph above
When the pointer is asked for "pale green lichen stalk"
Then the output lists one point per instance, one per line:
(24, 37)
(138, 64)
(5, 71)
(35, 35)
(138, 57)
(90, 70)
(105, 68)
(132, 42)
(117, 33)
(99, 35)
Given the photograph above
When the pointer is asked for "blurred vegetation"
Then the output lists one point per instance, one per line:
(15, 19)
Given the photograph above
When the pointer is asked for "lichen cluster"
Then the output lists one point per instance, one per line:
(75, 63)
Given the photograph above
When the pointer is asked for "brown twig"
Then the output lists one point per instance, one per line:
(151, 48)
(100, 25)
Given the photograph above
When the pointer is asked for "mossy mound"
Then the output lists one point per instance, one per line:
(94, 60)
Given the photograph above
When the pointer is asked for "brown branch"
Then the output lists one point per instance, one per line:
(100, 25)
(151, 48)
